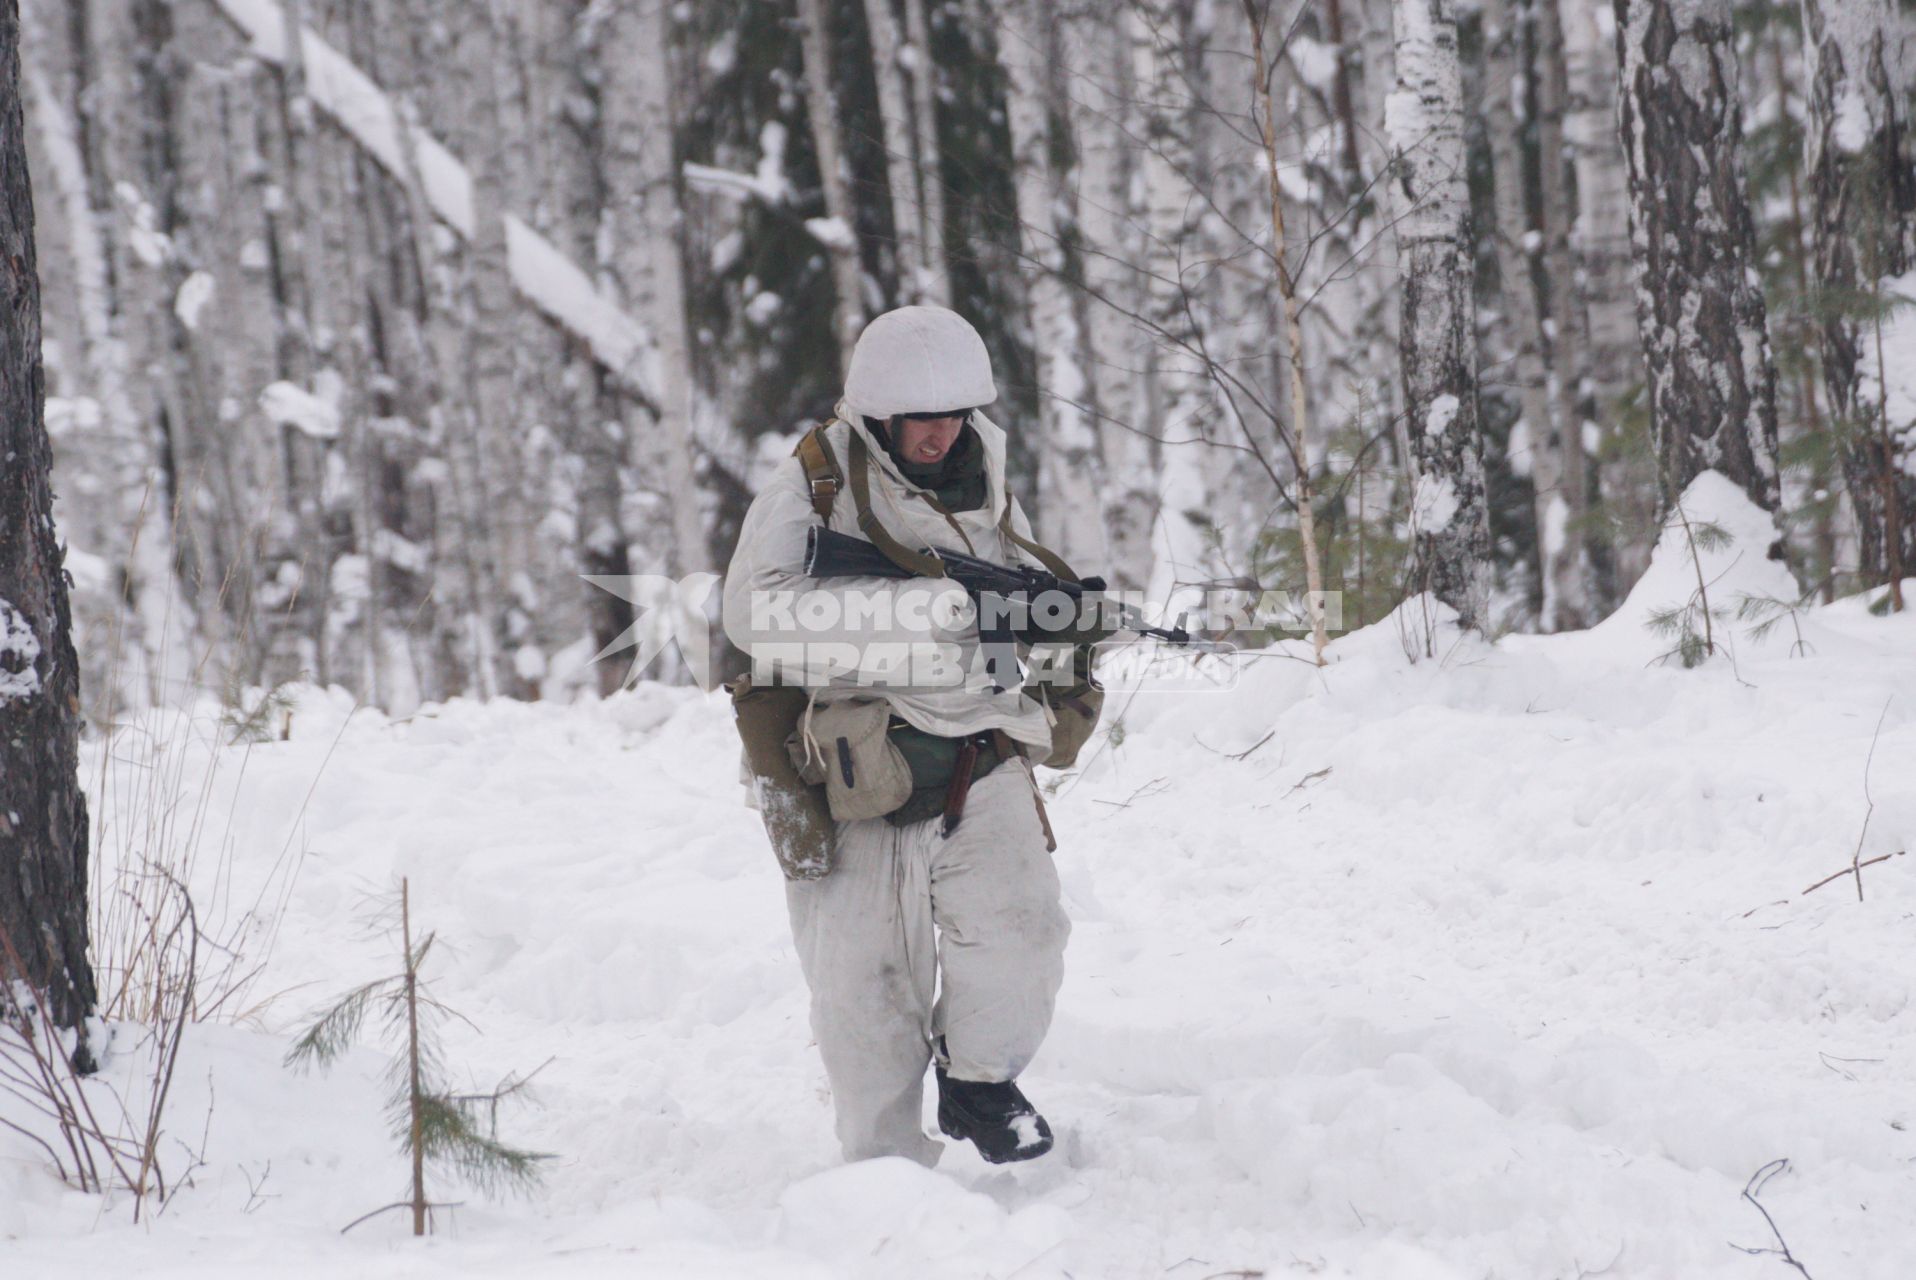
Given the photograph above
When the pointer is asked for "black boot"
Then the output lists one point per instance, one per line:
(995, 1116)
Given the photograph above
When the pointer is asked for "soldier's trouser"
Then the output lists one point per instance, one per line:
(867, 945)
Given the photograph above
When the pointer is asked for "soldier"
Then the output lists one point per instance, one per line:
(944, 882)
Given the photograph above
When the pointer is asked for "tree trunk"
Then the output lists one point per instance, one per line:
(935, 284)
(1069, 475)
(43, 817)
(1539, 446)
(1863, 201)
(1424, 118)
(1700, 308)
(901, 168)
(1113, 246)
(1576, 587)
(642, 182)
(1609, 357)
(841, 242)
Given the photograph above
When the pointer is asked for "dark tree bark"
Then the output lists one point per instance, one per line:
(43, 822)
(1699, 306)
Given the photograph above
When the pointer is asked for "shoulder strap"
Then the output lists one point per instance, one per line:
(1046, 557)
(814, 453)
(916, 562)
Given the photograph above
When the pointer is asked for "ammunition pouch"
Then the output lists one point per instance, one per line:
(847, 747)
(795, 812)
(1074, 710)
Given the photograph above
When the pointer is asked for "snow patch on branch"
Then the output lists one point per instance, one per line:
(290, 406)
(544, 275)
(191, 300)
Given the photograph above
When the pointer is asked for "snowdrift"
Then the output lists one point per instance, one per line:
(1497, 964)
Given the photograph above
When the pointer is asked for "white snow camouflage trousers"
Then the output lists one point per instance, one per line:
(873, 960)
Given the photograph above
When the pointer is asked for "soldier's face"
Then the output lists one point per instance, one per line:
(925, 440)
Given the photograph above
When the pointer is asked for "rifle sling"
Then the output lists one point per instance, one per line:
(822, 477)
(917, 563)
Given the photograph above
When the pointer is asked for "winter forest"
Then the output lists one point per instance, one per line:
(1519, 394)
(371, 327)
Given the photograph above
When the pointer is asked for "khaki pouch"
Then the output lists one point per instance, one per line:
(849, 743)
(1075, 711)
(795, 812)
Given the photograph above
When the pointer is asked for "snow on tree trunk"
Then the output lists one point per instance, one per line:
(1700, 308)
(935, 278)
(901, 165)
(642, 174)
(1110, 224)
(43, 813)
(1166, 54)
(1070, 476)
(841, 237)
(1863, 199)
(1437, 337)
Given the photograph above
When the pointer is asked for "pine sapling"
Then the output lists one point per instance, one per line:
(1692, 624)
(455, 1132)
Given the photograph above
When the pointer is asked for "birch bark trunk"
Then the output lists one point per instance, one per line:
(935, 285)
(901, 167)
(1111, 225)
(841, 241)
(1700, 311)
(1863, 203)
(1437, 336)
(1069, 475)
(646, 227)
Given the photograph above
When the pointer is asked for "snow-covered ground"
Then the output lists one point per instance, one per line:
(1496, 965)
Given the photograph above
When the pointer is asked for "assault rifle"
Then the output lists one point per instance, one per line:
(1001, 592)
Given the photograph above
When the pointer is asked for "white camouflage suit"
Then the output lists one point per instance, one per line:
(906, 913)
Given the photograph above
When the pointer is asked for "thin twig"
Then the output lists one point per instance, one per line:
(1753, 1188)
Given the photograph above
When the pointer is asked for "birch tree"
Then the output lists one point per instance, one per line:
(43, 814)
(1111, 225)
(1437, 336)
(1863, 200)
(1700, 312)
(838, 232)
(645, 225)
(1069, 518)
(934, 284)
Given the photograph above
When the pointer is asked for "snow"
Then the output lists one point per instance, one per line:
(1433, 503)
(19, 656)
(1442, 412)
(195, 292)
(286, 405)
(1492, 966)
(1316, 62)
(831, 232)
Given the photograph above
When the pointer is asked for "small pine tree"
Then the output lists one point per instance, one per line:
(1692, 624)
(455, 1131)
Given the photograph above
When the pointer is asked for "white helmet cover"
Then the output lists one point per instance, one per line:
(919, 360)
